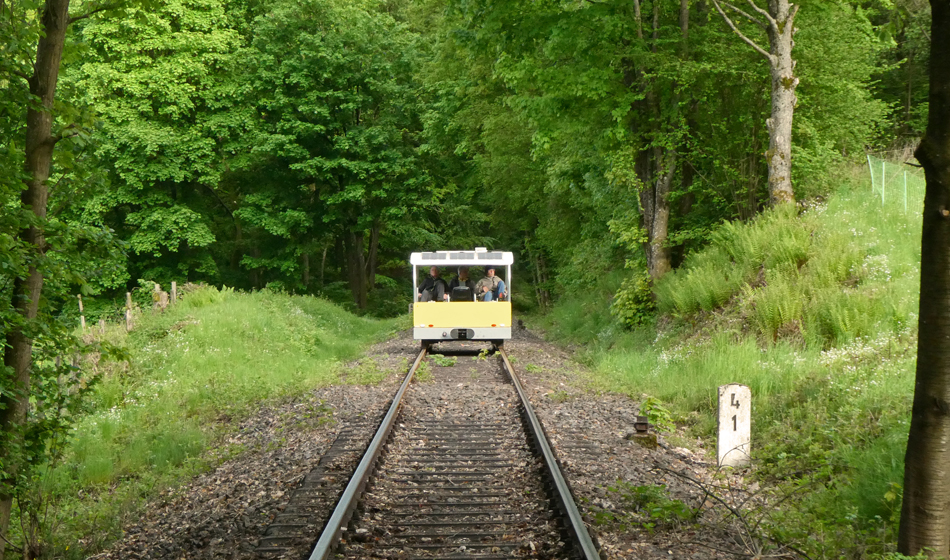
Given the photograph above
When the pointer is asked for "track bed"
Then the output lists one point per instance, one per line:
(459, 481)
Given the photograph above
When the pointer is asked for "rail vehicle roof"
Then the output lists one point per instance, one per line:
(479, 257)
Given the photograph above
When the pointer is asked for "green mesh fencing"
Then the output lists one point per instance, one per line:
(898, 185)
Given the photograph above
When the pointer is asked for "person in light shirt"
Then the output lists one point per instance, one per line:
(491, 287)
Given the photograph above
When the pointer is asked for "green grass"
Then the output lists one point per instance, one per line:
(816, 312)
(841, 270)
(195, 371)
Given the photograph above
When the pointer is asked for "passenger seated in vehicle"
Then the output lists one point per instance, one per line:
(491, 287)
(433, 287)
(462, 288)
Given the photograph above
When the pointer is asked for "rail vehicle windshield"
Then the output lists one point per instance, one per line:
(462, 276)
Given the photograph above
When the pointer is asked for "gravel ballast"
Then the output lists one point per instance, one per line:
(223, 513)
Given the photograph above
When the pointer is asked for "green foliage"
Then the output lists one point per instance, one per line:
(813, 277)
(823, 332)
(364, 372)
(594, 71)
(308, 147)
(338, 121)
(389, 299)
(443, 361)
(838, 51)
(207, 295)
(157, 83)
(190, 375)
(423, 373)
(572, 320)
(634, 303)
(738, 255)
(214, 157)
(657, 414)
(777, 305)
(903, 75)
(646, 506)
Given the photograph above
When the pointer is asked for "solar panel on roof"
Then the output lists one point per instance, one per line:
(456, 256)
(433, 256)
(486, 256)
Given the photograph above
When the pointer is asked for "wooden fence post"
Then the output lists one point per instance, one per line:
(128, 311)
(160, 298)
(82, 318)
(174, 293)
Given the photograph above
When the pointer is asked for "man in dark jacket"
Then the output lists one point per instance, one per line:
(462, 281)
(433, 287)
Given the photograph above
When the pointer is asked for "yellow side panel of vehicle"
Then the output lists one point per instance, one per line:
(461, 314)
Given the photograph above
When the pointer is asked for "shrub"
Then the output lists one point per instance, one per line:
(634, 303)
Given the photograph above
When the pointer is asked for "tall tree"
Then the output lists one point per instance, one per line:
(612, 72)
(341, 118)
(925, 512)
(658, 156)
(779, 23)
(40, 140)
(161, 82)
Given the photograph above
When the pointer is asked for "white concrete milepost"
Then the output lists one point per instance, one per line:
(735, 425)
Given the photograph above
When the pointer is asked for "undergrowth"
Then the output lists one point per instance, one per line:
(195, 371)
(815, 311)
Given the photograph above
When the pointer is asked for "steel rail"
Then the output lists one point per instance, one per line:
(583, 542)
(354, 489)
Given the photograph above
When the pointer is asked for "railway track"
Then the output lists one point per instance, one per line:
(459, 468)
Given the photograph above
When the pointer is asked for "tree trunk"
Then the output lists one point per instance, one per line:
(538, 272)
(656, 166)
(323, 265)
(26, 291)
(238, 251)
(684, 29)
(305, 258)
(256, 277)
(341, 257)
(655, 208)
(784, 82)
(356, 267)
(543, 277)
(371, 259)
(925, 512)
(780, 25)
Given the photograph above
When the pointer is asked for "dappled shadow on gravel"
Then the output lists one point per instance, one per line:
(222, 514)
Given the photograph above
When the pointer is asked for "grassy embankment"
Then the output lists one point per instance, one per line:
(817, 314)
(195, 371)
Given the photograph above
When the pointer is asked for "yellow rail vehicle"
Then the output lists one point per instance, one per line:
(461, 314)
